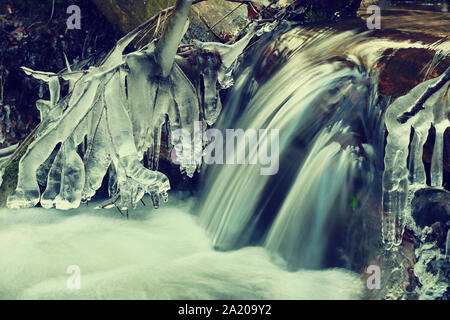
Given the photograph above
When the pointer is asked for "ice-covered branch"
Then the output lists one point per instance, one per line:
(114, 114)
(430, 98)
(168, 44)
(427, 94)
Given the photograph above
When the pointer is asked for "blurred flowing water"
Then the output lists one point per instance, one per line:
(319, 88)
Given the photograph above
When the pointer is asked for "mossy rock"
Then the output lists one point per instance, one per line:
(10, 177)
(127, 15)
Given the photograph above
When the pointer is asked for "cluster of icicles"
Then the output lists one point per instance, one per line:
(424, 106)
(114, 113)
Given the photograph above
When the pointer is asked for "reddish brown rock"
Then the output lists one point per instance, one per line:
(402, 70)
(218, 19)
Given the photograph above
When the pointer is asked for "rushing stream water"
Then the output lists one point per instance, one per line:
(163, 256)
(324, 100)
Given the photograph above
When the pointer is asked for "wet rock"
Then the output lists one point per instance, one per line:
(340, 7)
(403, 69)
(398, 281)
(321, 11)
(431, 212)
(433, 272)
(211, 17)
(431, 206)
(126, 15)
(438, 234)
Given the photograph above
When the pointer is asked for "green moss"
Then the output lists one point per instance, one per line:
(316, 16)
(355, 202)
(10, 176)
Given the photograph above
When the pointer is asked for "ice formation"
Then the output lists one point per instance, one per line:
(113, 115)
(424, 106)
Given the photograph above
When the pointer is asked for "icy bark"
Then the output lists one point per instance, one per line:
(168, 44)
(425, 106)
(220, 70)
(113, 115)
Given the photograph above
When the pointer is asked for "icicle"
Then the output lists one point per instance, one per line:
(72, 178)
(141, 98)
(97, 158)
(125, 157)
(27, 191)
(53, 182)
(429, 106)
(53, 84)
(211, 97)
(416, 153)
(437, 159)
(183, 119)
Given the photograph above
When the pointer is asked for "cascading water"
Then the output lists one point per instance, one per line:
(311, 102)
(316, 200)
(324, 101)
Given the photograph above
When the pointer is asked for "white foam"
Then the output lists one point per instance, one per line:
(149, 256)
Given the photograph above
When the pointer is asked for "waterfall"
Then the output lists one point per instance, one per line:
(317, 198)
(323, 99)
(311, 102)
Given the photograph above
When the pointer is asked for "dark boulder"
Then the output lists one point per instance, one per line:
(430, 206)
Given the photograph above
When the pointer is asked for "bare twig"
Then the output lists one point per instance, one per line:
(121, 213)
(226, 16)
(111, 203)
(23, 144)
(210, 29)
(157, 27)
(4, 152)
(249, 2)
(53, 11)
